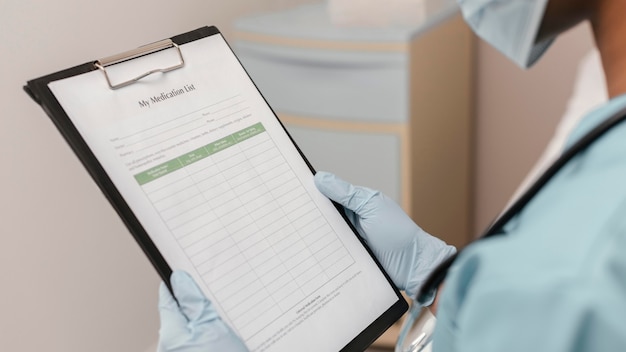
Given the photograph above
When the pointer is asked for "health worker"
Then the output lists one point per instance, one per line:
(551, 273)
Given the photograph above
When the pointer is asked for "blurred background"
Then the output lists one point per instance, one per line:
(395, 95)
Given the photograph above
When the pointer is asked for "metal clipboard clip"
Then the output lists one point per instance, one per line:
(102, 64)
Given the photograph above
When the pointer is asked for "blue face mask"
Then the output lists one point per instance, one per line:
(510, 26)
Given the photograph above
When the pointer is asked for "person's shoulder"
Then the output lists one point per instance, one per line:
(500, 291)
(588, 266)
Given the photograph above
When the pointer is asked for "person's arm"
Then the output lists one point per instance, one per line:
(552, 319)
(503, 296)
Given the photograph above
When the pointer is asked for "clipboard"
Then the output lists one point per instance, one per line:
(239, 126)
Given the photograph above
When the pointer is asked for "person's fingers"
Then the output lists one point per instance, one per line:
(352, 197)
(195, 307)
(173, 322)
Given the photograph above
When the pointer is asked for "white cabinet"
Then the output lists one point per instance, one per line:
(387, 108)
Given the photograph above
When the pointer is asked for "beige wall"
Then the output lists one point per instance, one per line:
(516, 113)
(71, 277)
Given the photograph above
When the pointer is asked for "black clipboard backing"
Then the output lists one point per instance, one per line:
(40, 92)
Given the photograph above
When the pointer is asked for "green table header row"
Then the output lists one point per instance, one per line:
(198, 154)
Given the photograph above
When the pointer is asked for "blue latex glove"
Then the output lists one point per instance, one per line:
(406, 252)
(195, 326)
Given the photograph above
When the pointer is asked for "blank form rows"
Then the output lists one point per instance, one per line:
(253, 233)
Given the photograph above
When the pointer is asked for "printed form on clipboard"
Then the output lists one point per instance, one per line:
(223, 193)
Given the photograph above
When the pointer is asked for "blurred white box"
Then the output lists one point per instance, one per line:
(380, 13)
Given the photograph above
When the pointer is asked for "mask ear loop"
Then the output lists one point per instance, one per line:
(437, 276)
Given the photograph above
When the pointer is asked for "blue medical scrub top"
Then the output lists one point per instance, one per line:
(556, 281)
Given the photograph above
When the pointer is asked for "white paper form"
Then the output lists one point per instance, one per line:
(211, 175)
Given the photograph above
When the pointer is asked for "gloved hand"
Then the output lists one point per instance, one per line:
(195, 326)
(406, 252)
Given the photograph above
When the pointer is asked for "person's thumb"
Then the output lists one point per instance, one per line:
(173, 322)
(351, 197)
(193, 304)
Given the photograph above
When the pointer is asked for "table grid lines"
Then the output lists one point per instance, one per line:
(269, 228)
